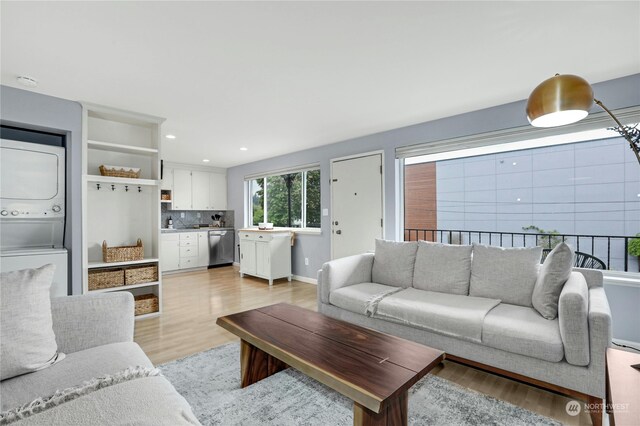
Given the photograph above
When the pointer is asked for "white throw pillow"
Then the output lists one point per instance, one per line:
(555, 271)
(28, 342)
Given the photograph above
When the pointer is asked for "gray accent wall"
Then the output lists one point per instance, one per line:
(22, 108)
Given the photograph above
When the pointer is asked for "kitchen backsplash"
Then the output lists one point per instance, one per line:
(191, 218)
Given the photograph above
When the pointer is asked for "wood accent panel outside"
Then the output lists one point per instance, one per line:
(420, 204)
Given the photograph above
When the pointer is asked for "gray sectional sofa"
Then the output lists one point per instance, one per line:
(476, 304)
(95, 333)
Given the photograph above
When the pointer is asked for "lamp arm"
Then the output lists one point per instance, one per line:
(624, 131)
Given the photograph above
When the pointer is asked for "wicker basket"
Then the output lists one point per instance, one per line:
(141, 274)
(165, 197)
(122, 253)
(119, 172)
(105, 278)
(146, 304)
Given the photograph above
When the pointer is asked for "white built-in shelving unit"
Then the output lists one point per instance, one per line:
(121, 210)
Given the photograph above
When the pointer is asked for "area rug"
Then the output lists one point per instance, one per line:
(210, 382)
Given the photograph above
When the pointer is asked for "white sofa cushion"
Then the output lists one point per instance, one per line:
(508, 274)
(76, 368)
(442, 267)
(554, 273)
(28, 342)
(448, 314)
(393, 263)
(360, 298)
(521, 330)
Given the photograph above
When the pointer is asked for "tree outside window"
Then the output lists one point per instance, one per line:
(289, 200)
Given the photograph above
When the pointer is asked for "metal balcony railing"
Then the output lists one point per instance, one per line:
(611, 249)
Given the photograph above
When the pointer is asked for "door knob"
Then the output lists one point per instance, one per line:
(338, 232)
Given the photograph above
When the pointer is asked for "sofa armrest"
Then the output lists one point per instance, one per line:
(573, 312)
(600, 333)
(343, 272)
(594, 277)
(82, 322)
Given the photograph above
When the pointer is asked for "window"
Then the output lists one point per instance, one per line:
(289, 200)
(582, 188)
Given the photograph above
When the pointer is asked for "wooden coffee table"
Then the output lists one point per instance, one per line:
(373, 369)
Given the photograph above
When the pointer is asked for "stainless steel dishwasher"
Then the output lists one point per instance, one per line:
(221, 245)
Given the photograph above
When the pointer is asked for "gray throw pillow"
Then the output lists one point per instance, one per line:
(393, 263)
(28, 342)
(508, 274)
(554, 273)
(444, 268)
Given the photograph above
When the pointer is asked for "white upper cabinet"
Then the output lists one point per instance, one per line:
(196, 189)
(218, 191)
(182, 199)
(167, 179)
(200, 190)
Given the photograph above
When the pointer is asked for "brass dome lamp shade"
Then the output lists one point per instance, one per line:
(565, 99)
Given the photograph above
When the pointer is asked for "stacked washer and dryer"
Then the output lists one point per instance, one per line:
(32, 209)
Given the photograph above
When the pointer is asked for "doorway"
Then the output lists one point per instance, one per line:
(356, 204)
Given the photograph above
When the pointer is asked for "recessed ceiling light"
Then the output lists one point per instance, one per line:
(244, 148)
(27, 81)
(514, 163)
(170, 136)
(518, 199)
(205, 160)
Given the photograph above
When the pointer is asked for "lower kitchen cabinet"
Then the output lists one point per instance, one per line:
(184, 250)
(203, 248)
(265, 254)
(169, 252)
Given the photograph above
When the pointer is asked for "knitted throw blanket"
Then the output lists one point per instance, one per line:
(61, 396)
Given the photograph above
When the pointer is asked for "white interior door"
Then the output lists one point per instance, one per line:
(356, 205)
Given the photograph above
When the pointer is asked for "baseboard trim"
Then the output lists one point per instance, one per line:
(626, 343)
(305, 279)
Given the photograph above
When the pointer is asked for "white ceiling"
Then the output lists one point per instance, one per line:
(278, 77)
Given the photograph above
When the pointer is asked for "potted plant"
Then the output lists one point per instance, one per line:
(634, 248)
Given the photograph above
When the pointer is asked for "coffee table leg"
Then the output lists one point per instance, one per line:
(256, 364)
(395, 413)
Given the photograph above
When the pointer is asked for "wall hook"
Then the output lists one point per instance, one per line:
(98, 186)
(126, 188)
(113, 187)
(139, 189)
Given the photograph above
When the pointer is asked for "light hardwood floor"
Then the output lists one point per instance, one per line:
(194, 300)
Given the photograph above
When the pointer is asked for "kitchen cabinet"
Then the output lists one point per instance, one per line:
(200, 190)
(184, 250)
(169, 252)
(181, 189)
(218, 191)
(203, 248)
(265, 254)
(167, 179)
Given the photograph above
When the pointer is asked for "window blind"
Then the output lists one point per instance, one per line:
(296, 169)
(594, 121)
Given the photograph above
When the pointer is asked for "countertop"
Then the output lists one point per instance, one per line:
(167, 230)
